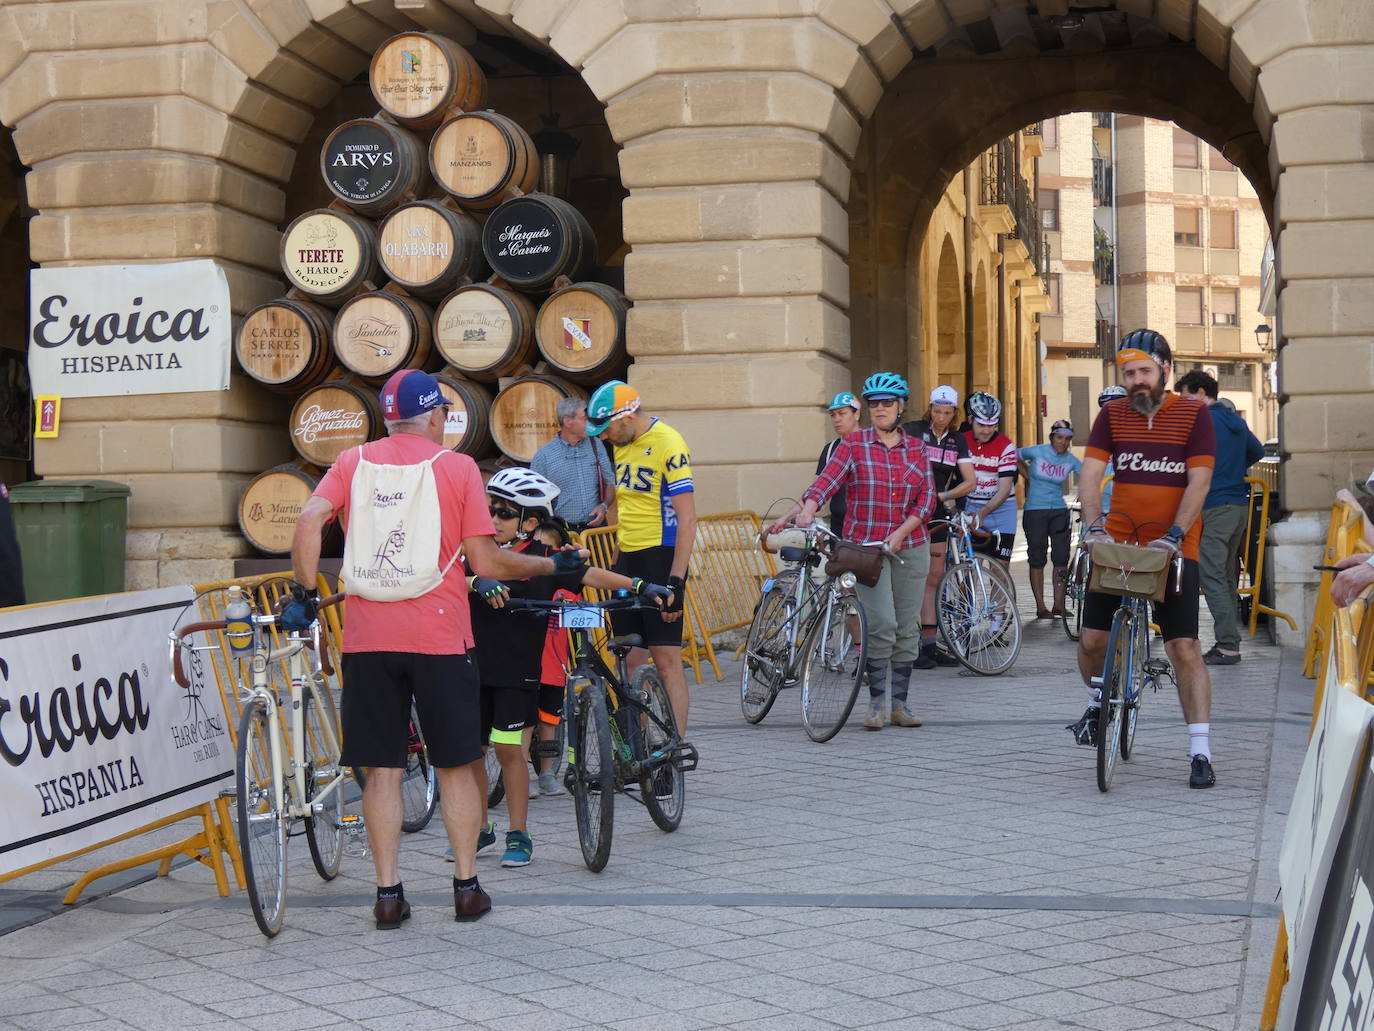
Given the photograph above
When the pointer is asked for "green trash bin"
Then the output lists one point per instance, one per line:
(71, 537)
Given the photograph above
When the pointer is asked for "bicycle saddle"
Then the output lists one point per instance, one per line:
(622, 645)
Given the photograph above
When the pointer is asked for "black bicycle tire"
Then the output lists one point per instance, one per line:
(756, 632)
(415, 817)
(943, 617)
(821, 733)
(1109, 715)
(323, 833)
(647, 686)
(496, 788)
(1071, 611)
(253, 725)
(591, 724)
(1131, 713)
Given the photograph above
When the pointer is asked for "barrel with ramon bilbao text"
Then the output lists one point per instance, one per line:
(329, 255)
(329, 419)
(419, 78)
(467, 428)
(284, 344)
(372, 166)
(524, 415)
(271, 503)
(481, 156)
(530, 241)
(581, 331)
(379, 332)
(485, 331)
(430, 249)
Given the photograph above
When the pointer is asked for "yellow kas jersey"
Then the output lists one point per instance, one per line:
(648, 472)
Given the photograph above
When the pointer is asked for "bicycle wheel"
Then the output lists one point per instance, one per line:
(664, 791)
(419, 786)
(834, 668)
(323, 830)
(591, 762)
(976, 612)
(496, 786)
(765, 653)
(262, 820)
(1115, 673)
(1130, 713)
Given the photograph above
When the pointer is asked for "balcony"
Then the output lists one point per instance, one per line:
(1003, 184)
(1102, 182)
(1106, 338)
(1104, 258)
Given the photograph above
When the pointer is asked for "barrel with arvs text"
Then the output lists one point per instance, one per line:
(372, 166)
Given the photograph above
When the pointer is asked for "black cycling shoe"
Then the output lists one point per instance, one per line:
(944, 658)
(926, 659)
(1085, 730)
(1200, 774)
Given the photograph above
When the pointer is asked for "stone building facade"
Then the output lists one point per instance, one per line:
(781, 161)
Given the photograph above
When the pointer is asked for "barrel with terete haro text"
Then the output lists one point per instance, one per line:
(485, 331)
(380, 332)
(329, 419)
(430, 249)
(581, 332)
(285, 344)
(330, 255)
(530, 241)
(372, 166)
(524, 415)
(482, 158)
(420, 78)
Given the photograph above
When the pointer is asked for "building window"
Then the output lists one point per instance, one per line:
(1048, 201)
(1188, 304)
(1185, 149)
(1217, 163)
(1223, 229)
(1224, 308)
(1056, 303)
(1187, 227)
(1049, 133)
(1078, 405)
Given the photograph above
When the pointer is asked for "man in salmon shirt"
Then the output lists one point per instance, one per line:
(1163, 447)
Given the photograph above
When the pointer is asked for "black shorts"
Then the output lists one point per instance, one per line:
(1047, 532)
(551, 703)
(506, 711)
(996, 545)
(375, 710)
(1176, 615)
(653, 565)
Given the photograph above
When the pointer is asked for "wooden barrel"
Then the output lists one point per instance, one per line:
(372, 166)
(285, 344)
(581, 331)
(430, 249)
(329, 419)
(379, 332)
(484, 331)
(468, 428)
(329, 255)
(419, 77)
(271, 502)
(478, 157)
(531, 241)
(523, 416)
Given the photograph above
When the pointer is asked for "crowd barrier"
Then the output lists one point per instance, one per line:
(1324, 952)
(1253, 552)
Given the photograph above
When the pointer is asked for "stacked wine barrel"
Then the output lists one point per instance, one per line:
(437, 253)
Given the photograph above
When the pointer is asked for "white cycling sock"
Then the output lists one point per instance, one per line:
(1200, 740)
(1094, 697)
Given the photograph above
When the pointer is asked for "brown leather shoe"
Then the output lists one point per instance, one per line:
(471, 905)
(389, 913)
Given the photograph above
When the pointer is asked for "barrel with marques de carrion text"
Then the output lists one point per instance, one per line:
(372, 166)
(419, 78)
(379, 332)
(330, 255)
(524, 416)
(481, 156)
(329, 419)
(430, 249)
(485, 331)
(530, 241)
(284, 344)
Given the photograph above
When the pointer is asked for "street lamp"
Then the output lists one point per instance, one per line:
(1263, 334)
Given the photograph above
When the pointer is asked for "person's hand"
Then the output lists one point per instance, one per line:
(895, 541)
(493, 592)
(660, 596)
(300, 611)
(570, 559)
(598, 515)
(1095, 535)
(1356, 574)
(1167, 544)
(805, 518)
(672, 611)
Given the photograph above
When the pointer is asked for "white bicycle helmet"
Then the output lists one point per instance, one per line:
(525, 489)
(1110, 394)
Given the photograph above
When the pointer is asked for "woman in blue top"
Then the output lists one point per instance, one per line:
(1045, 518)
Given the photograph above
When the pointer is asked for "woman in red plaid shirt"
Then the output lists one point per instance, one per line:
(890, 496)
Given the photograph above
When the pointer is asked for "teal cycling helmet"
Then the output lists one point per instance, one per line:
(844, 399)
(885, 384)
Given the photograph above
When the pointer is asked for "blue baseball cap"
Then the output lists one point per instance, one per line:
(844, 399)
(409, 393)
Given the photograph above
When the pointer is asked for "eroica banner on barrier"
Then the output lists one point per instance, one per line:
(95, 738)
(103, 330)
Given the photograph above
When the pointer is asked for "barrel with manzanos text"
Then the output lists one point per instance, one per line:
(430, 249)
(530, 241)
(524, 416)
(372, 166)
(329, 255)
(419, 78)
(379, 332)
(481, 156)
(581, 332)
(329, 419)
(485, 331)
(284, 344)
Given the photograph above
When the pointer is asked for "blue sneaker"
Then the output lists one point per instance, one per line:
(486, 837)
(519, 849)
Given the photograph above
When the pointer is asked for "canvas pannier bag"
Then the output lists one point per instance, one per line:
(1125, 569)
(866, 563)
(391, 547)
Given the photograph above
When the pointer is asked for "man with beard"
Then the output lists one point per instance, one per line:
(1163, 447)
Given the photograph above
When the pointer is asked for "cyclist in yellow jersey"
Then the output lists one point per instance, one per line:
(656, 526)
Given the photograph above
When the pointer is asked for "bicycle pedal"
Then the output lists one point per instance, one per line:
(351, 823)
(231, 794)
(685, 756)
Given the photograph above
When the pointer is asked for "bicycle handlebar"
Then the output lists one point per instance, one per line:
(177, 638)
(541, 605)
(976, 532)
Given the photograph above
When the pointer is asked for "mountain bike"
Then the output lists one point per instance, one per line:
(975, 603)
(808, 631)
(282, 774)
(621, 732)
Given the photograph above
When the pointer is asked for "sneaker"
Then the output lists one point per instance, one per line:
(876, 716)
(944, 658)
(1200, 774)
(519, 849)
(486, 837)
(926, 660)
(904, 717)
(1085, 730)
(1214, 656)
(548, 783)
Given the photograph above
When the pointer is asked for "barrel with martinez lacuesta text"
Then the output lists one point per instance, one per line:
(284, 344)
(429, 248)
(329, 419)
(419, 78)
(372, 166)
(530, 241)
(330, 255)
(272, 501)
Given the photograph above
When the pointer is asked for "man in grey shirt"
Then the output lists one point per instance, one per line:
(581, 468)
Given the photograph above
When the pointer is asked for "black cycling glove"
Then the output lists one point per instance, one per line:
(653, 593)
(568, 561)
(678, 585)
(486, 586)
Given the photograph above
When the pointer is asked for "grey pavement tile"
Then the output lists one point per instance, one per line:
(1192, 1006)
(782, 1022)
(300, 1018)
(667, 1021)
(984, 1016)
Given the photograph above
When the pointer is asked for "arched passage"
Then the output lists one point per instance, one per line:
(949, 318)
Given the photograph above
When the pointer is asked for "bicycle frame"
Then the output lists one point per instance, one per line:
(812, 601)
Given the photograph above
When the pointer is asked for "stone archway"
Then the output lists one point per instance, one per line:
(949, 318)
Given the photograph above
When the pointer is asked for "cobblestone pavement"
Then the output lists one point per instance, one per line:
(966, 874)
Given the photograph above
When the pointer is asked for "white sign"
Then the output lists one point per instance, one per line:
(103, 330)
(95, 738)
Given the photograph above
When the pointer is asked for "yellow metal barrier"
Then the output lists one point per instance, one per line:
(1257, 531)
(1342, 539)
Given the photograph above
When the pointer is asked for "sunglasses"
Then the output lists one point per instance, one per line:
(883, 402)
(501, 512)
